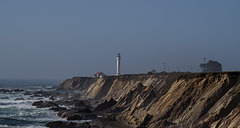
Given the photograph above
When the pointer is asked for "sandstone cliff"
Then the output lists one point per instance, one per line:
(168, 100)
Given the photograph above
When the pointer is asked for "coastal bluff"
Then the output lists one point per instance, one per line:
(165, 100)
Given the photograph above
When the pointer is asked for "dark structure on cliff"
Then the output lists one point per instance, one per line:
(211, 66)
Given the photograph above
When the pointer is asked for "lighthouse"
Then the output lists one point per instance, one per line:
(118, 64)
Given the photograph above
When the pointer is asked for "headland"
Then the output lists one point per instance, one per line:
(159, 100)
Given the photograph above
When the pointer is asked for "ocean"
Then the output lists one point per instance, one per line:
(20, 113)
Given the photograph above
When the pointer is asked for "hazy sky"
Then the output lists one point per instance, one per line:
(58, 39)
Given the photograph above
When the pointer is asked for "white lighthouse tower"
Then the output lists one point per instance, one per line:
(118, 64)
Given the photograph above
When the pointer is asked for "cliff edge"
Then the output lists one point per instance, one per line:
(197, 100)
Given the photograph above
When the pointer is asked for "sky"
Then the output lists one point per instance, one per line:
(59, 39)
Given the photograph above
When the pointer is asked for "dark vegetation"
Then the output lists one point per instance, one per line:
(211, 66)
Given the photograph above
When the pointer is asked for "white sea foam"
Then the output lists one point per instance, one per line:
(81, 121)
(49, 119)
(32, 126)
(17, 104)
(4, 126)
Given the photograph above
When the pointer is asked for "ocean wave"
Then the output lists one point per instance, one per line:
(16, 104)
(4, 126)
(20, 113)
(32, 126)
(15, 122)
(27, 118)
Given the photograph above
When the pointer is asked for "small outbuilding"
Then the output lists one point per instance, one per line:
(99, 74)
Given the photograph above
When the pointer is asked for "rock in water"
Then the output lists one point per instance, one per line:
(44, 104)
(60, 124)
(19, 99)
(27, 93)
(4, 97)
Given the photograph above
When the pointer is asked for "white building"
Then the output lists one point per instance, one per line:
(118, 64)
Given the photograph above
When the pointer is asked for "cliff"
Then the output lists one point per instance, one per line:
(80, 83)
(167, 100)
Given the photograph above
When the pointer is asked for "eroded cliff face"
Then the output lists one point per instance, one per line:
(168, 100)
(202, 101)
(80, 83)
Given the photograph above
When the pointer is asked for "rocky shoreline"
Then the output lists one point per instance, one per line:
(75, 109)
(178, 100)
